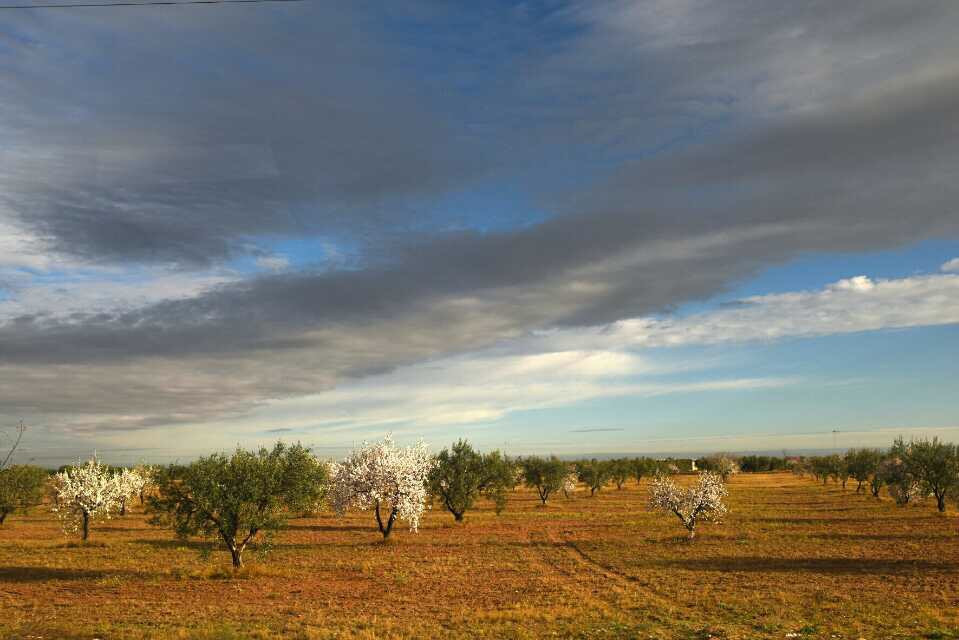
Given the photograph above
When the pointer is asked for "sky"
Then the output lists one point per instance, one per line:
(548, 227)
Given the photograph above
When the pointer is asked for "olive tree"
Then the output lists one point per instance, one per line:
(460, 475)
(900, 483)
(594, 474)
(620, 471)
(236, 497)
(501, 479)
(642, 467)
(839, 469)
(821, 467)
(21, 487)
(877, 480)
(862, 465)
(388, 479)
(86, 492)
(701, 502)
(931, 463)
(545, 475)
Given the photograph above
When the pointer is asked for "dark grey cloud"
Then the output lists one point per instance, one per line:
(175, 136)
(707, 147)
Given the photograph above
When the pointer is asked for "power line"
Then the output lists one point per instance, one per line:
(131, 3)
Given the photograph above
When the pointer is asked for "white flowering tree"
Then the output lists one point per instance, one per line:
(131, 484)
(390, 480)
(148, 473)
(570, 484)
(720, 464)
(702, 501)
(86, 492)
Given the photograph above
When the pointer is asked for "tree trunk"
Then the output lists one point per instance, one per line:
(3, 516)
(236, 551)
(123, 507)
(86, 526)
(387, 529)
(692, 532)
(457, 515)
(940, 502)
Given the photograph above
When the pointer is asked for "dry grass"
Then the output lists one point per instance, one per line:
(793, 557)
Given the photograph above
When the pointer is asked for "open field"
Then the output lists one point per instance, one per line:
(793, 557)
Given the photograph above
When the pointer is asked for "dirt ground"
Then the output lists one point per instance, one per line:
(793, 559)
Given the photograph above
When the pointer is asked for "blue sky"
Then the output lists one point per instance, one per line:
(562, 226)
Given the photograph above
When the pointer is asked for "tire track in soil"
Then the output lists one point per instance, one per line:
(579, 584)
(660, 608)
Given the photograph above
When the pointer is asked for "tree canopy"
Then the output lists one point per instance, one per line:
(21, 487)
(238, 496)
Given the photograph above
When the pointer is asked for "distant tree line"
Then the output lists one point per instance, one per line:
(240, 498)
(909, 471)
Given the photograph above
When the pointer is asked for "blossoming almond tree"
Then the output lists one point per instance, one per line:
(86, 492)
(388, 479)
(570, 484)
(148, 473)
(132, 483)
(702, 501)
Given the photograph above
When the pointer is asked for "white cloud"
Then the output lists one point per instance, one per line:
(847, 306)
(478, 388)
(95, 291)
(951, 265)
(273, 263)
(858, 283)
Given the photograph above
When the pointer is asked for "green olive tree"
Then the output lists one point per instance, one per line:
(461, 474)
(862, 465)
(933, 464)
(21, 487)
(236, 497)
(545, 475)
(594, 474)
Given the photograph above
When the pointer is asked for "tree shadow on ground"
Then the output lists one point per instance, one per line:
(326, 527)
(176, 543)
(880, 536)
(206, 545)
(812, 521)
(44, 574)
(106, 528)
(835, 565)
